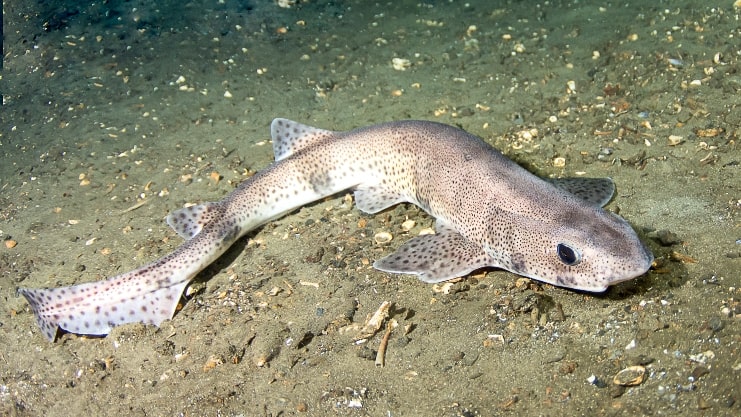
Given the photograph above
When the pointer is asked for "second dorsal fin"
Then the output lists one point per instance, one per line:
(290, 137)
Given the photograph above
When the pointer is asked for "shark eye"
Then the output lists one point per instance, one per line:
(567, 255)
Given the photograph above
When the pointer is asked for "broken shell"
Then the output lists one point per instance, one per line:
(408, 225)
(382, 237)
(630, 376)
(212, 362)
(374, 323)
(675, 140)
(215, 177)
(443, 287)
(710, 132)
(400, 64)
(571, 86)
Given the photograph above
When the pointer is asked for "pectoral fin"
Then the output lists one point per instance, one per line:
(436, 258)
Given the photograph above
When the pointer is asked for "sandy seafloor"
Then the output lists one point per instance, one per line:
(116, 113)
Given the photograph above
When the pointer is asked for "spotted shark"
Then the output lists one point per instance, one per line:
(489, 212)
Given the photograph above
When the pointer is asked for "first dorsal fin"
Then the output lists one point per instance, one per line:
(597, 191)
(290, 137)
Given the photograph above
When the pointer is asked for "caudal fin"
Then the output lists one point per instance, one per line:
(95, 308)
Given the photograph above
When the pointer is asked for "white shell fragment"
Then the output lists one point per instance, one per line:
(382, 238)
(408, 225)
(375, 322)
(571, 86)
(400, 64)
(675, 140)
(630, 376)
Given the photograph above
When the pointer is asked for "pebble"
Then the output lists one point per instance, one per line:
(699, 372)
(715, 324)
(265, 348)
(667, 238)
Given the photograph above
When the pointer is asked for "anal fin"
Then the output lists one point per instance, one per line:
(374, 199)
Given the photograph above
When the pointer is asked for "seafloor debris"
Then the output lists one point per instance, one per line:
(630, 376)
(374, 323)
(381, 355)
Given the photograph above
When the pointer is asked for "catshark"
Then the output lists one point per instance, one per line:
(489, 212)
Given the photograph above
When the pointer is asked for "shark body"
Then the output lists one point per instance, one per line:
(489, 212)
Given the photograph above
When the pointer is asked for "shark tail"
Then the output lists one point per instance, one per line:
(95, 308)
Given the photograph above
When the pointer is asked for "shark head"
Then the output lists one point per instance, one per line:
(585, 248)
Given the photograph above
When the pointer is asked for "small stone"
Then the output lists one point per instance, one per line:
(642, 360)
(367, 353)
(715, 324)
(699, 372)
(667, 238)
(703, 404)
(617, 390)
(10, 243)
(567, 367)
